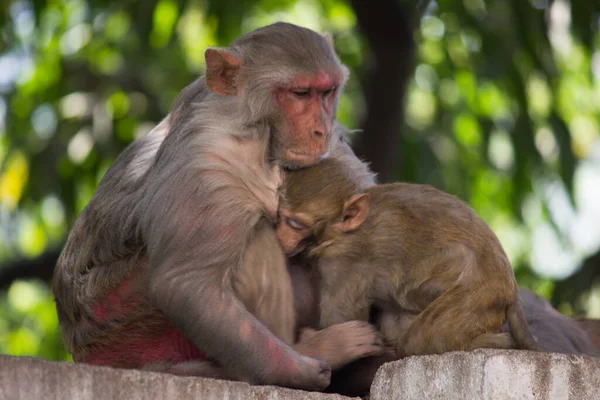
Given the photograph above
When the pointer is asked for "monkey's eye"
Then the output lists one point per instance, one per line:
(301, 92)
(295, 225)
(329, 91)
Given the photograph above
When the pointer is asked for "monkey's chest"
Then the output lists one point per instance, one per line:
(266, 190)
(261, 179)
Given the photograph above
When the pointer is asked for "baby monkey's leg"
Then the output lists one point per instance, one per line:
(394, 326)
(493, 341)
(454, 302)
(462, 318)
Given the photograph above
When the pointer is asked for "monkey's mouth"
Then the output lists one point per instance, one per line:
(305, 158)
(300, 247)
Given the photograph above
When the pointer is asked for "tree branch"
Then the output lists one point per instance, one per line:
(389, 31)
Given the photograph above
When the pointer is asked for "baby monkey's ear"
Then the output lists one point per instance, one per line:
(354, 213)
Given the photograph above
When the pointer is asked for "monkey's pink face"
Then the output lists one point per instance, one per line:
(308, 105)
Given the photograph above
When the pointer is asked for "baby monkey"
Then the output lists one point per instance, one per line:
(436, 272)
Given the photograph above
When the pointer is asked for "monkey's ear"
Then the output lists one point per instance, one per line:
(329, 39)
(221, 71)
(354, 213)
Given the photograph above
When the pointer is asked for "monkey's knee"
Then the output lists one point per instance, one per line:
(394, 328)
(492, 341)
(426, 341)
(414, 347)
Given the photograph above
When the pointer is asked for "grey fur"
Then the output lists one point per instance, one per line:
(178, 209)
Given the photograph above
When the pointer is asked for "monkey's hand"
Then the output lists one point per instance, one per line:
(342, 343)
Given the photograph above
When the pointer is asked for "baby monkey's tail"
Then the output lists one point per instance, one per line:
(518, 326)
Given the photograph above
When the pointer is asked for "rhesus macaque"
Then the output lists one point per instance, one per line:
(304, 278)
(555, 332)
(265, 288)
(437, 272)
(149, 274)
(352, 344)
(353, 379)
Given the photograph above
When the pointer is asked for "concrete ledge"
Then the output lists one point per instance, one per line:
(35, 379)
(489, 374)
(482, 374)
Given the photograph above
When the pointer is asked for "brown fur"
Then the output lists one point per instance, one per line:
(436, 270)
(160, 245)
(553, 332)
(266, 291)
(355, 378)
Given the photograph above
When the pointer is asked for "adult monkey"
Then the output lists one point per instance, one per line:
(555, 332)
(145, 279)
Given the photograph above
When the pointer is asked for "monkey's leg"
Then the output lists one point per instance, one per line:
(263, 284)
(204, 369)
(395, 325)
(344, 313)
(332, 314)
(453, 320)
(343, 297)
(338, 344)
(493, 341)
(305, 283)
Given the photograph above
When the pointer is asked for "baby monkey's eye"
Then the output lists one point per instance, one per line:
(301, 92)
(294, 224)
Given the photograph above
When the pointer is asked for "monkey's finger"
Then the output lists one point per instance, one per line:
(373, 341)
(377, 337)
(372, 350)
(362, 325)
(356, 325)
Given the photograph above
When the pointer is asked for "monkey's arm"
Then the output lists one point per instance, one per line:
(344, 295)
(263, 283)
(195, 244)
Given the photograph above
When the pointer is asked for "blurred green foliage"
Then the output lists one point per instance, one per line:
(28, 323)
(503, 105)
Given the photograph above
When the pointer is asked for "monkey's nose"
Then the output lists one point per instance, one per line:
(318, 133)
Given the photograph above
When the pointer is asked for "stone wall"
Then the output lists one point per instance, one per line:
(489, 374)
(35, 379)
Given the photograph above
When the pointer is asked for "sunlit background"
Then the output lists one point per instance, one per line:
(501, 109)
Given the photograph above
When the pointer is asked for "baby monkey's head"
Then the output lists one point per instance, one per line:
(317, 204)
